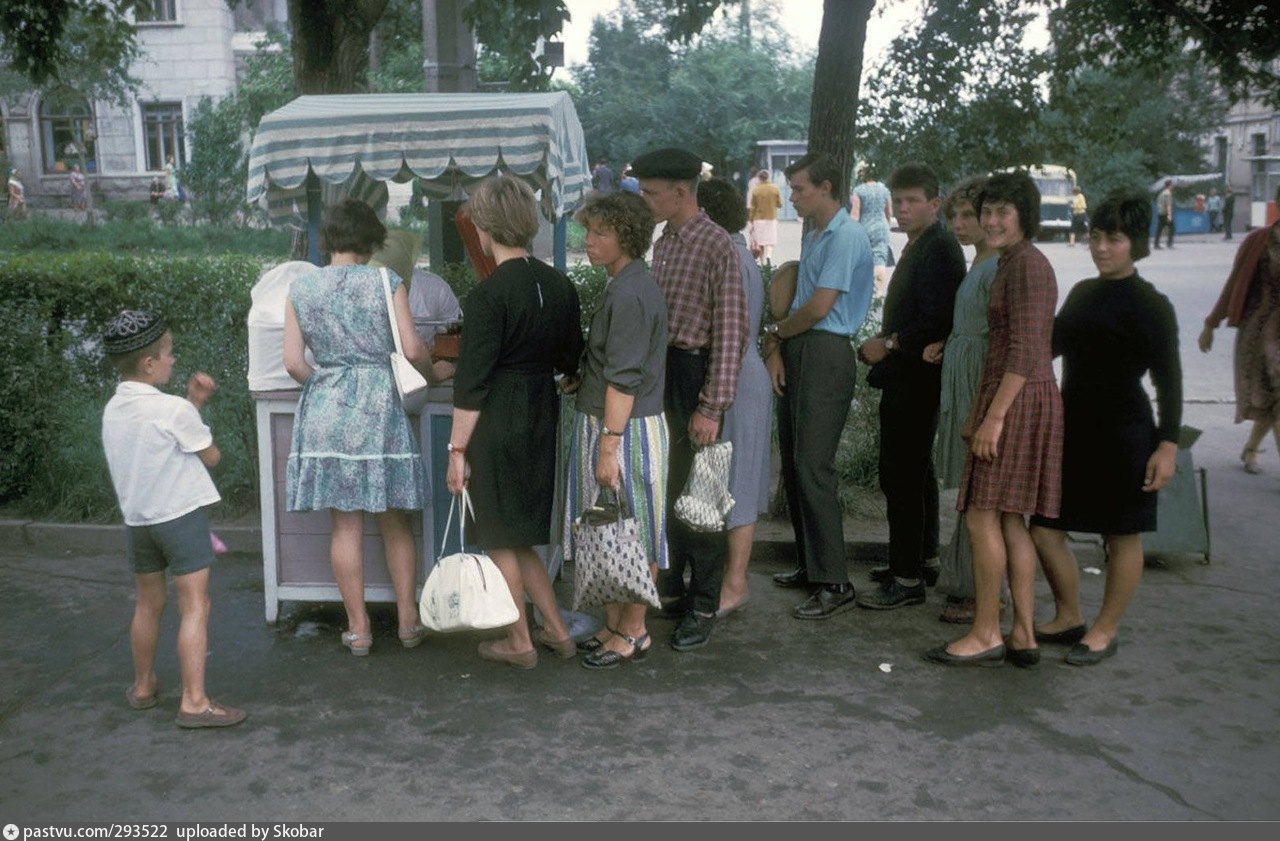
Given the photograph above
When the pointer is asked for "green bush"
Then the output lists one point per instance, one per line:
(56, 379)
(127, 231)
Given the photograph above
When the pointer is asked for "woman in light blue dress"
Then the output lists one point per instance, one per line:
(748, 424)
(962, 357)
(353, 448)
(869, 206)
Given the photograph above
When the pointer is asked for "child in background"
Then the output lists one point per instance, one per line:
(158, 451)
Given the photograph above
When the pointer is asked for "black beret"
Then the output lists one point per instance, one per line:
(671, 164)
(133, 329)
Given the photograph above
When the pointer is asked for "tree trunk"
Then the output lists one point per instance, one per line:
(331, 43)
(837, 76)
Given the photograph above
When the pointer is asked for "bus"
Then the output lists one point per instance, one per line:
(1055, 184)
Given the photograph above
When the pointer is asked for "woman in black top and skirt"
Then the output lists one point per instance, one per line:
(522, 326)
(1111, 331)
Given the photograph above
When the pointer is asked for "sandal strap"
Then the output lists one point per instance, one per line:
(634, 642)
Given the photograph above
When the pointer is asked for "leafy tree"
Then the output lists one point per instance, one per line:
(508, 30)
(1236, 39)
(86, 45)
(717, 95)
(1119, 126)
(958, 90)
(217, 171)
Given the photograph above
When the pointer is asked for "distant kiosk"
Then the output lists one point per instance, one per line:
(776, 156)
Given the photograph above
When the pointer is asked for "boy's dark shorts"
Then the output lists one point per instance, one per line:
(181, 545)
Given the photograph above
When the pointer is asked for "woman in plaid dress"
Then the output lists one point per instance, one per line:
(1014, 465)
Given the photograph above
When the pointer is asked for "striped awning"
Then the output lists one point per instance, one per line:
(355, 142)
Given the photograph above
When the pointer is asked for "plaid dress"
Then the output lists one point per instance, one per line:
(1026, 475)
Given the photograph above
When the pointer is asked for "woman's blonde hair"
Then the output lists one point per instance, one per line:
(505, 209)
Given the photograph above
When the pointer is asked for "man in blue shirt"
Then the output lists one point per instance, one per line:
(812, 363)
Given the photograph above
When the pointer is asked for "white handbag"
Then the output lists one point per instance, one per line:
(410, 384)
(465, 591)
(706, 501)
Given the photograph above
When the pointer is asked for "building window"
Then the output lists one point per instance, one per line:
(67, 134)
(157, 11)
(1259, 144)
(162, 132)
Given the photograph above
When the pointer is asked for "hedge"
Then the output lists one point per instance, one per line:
(56, 380)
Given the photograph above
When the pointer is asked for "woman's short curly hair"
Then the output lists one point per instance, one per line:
(1019, 190)
(351, 226)
(1125, 212)
(723, 203)
(966, 192)
(504, 208)
(627, 215)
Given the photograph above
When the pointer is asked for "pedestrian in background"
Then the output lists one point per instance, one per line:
(869, 206)
(1250, 302)
(76, 184)
(1214, 207)
(1164, 213)
(763, 217)
(1079, 216)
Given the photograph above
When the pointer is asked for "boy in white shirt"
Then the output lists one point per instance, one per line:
(158, 450)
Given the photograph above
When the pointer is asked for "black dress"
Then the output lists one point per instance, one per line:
(521, 325)
(1109, 334)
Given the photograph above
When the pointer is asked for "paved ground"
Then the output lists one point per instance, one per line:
(775, 720)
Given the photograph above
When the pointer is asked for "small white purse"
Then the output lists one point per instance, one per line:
(706, 501)
(410, 384)
(465, 591)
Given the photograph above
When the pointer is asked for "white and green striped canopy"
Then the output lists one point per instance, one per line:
(355, 142)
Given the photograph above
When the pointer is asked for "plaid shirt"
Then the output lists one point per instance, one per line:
(697, 268)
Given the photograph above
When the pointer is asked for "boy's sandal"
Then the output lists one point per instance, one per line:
(214, 715)
(358, 643)
(414, 638)
(141, 702)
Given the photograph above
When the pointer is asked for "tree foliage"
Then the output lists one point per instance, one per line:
(1236, 39)
(83, 45)
(959, 90)
(716, 96)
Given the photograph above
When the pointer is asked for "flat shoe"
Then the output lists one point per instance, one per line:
(519, 659)
(1070, 636)
(214, 715)
(1023, 658)
(1082, 655)
(139, 702)
(990, 658)
(565, 649)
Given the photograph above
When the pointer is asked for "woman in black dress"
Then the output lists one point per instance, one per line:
(1111, 331)
(522, 325)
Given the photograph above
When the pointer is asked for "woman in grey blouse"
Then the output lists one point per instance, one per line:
(619, 432)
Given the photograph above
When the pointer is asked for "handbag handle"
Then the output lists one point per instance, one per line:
(391, 313)
(462, 500)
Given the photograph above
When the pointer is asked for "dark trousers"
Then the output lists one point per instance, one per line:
(1161, 224)
(701, 553)
(908, 424)
(821, 369)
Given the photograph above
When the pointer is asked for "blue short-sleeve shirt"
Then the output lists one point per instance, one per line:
(838, 257)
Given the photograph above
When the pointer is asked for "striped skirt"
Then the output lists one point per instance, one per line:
(643, 462)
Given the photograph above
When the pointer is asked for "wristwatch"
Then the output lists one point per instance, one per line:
(772, 330)
(891, 343)
(452, 448)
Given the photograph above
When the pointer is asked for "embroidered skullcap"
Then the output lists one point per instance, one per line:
(671, 164)
(133, 329)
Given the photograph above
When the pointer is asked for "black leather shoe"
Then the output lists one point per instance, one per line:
(891, 596)
(694, 631)
(793, 580)
(1023, 658)
(990, 658)
(826, 601)
(1082, 655)
(1070, 636)
(881, 574)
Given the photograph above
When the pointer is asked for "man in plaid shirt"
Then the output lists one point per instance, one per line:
(696, 266)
